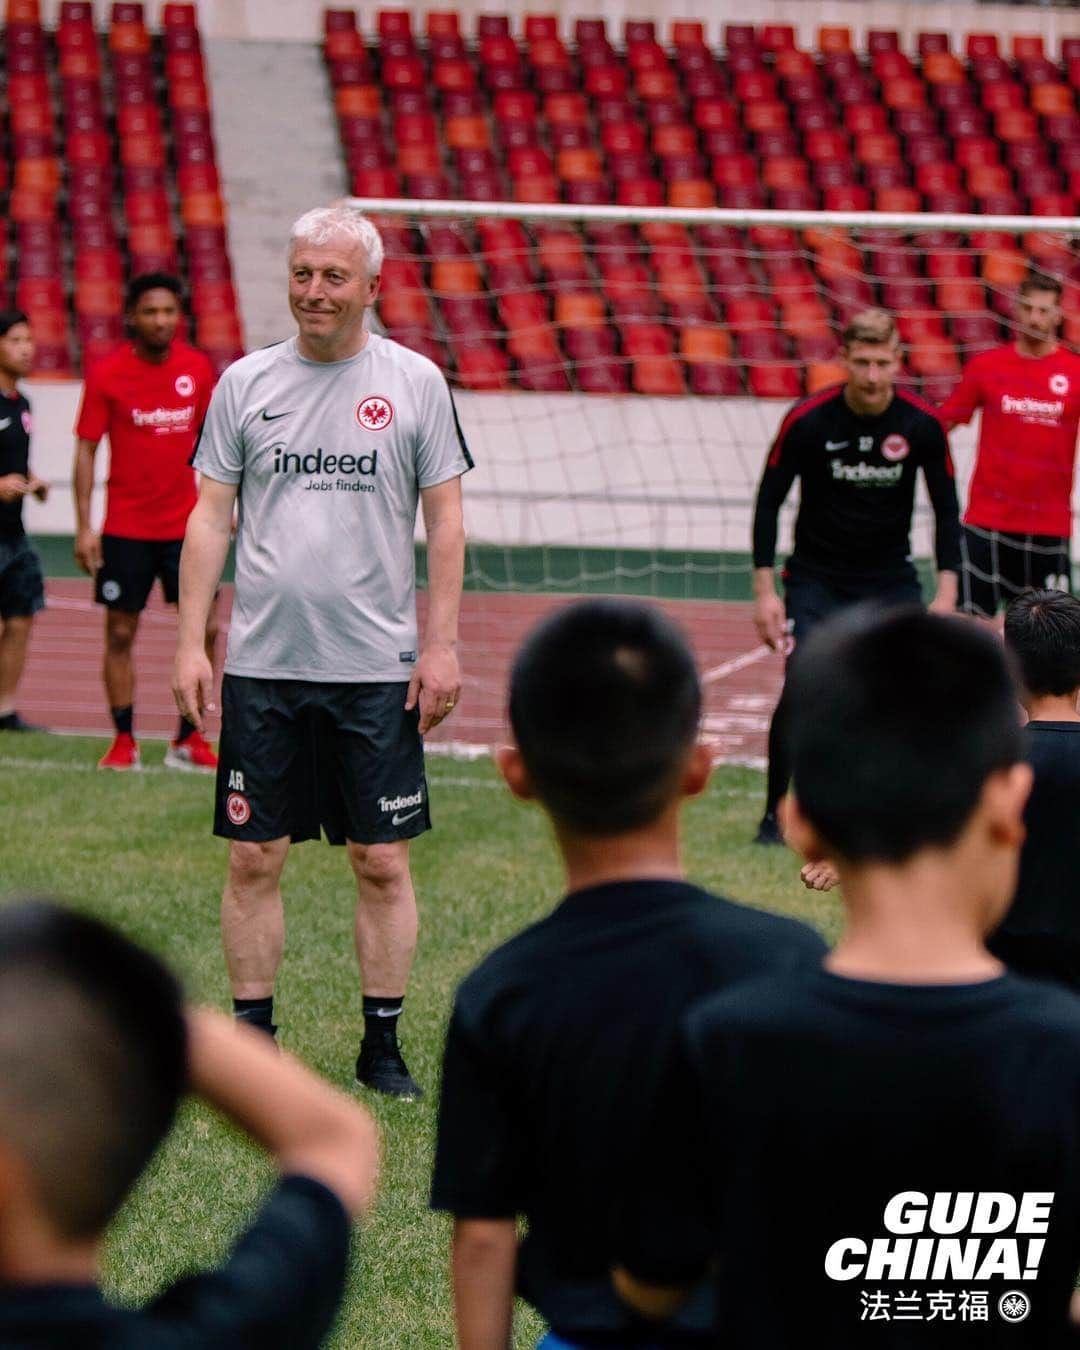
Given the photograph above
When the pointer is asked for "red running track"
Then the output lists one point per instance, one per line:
(62, 685)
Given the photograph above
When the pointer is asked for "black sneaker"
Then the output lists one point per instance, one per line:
(13, 722)
(381, 1068)
(768, 832)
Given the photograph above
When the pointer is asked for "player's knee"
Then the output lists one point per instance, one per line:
(254, 864)
(120, 633)
(384, 866)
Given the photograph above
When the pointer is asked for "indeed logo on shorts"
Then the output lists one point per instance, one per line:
(316, 461)
(396, 803)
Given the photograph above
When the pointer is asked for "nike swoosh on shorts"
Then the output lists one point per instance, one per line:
(395, 819)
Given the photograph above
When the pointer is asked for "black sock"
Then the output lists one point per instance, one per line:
(122, 718)
(779, 760)
(9, 719)
(381, 1017)
(256, 1012)
(184, 730)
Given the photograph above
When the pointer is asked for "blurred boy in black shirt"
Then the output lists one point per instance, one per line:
(1040, 935)
(884, 1152)
(558, 1038)
(95, 1051)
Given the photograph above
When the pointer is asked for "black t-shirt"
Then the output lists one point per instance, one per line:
(798, 1114)
(552, 1057)
(857, 484)
(1047, 901)
(280, 1288)
(14, 456)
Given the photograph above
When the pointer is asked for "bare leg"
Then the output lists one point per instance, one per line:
(386, 918)
(253, 917)
(119, 672)
(14, 642)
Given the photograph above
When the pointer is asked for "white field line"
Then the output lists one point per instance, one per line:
(737, 663)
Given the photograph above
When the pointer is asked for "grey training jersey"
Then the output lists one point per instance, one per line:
(330, 459)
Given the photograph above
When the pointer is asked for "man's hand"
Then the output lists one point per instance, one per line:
(436, 682)
(819, 876)
(88, 551)
(12, 487)
(945, 597)
(193, 685)
(770, 619)
(38, 487)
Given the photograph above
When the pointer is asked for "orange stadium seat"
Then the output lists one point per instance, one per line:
(691, 193)
(579, 309)
(822, 374)
(1050, 100)
(1003, 268)
(834, 39)
(202, 208)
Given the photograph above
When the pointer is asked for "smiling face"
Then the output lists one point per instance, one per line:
(330, 287)
(872, 371)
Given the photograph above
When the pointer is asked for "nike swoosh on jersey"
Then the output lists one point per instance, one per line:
(395, 819)
(829, 445)
(273, 417)
(5, 424)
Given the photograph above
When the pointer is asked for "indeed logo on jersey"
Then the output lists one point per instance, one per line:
(164, 419)
(867, 475)
(317, 463)
(1033, 407)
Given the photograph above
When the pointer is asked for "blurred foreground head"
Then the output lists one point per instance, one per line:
(605, 703)
(92, 1062)
(899, 719)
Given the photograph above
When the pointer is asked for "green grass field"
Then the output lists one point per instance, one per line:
(137, 850)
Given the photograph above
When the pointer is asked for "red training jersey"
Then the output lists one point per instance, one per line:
(151, 414)
(1027, 441)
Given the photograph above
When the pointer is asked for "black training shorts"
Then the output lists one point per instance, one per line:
(810, 598)
(998, 565)
(22, 587)
(296, 756)
(129, 568)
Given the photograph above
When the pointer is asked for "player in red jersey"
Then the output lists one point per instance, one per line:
(1018, 521)
(149, 397)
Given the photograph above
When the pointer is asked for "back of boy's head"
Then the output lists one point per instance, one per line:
(898, 719)
(92, 1060)
(1042, 630)
(605, 703)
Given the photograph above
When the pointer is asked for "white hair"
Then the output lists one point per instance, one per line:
(326, 223)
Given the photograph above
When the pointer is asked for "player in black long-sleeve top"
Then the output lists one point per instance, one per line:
(22, 589)
(856, 449)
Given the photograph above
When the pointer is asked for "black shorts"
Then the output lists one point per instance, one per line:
(129, 568)
(810, 598)
(998, 565)
(296, 756)
(22, 587)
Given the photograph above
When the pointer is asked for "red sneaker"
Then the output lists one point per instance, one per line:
(122, 754)
(193, 755)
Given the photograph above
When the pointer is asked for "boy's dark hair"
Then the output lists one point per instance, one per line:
(93, 1059)
(605, 703)
(9, 318)
(1042, 630)
(1039, 281)
(898, 719)
(151, 281)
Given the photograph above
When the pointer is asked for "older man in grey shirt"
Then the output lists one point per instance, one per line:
(328, 442)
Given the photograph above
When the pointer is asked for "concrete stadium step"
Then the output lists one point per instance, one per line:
(278, 155)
